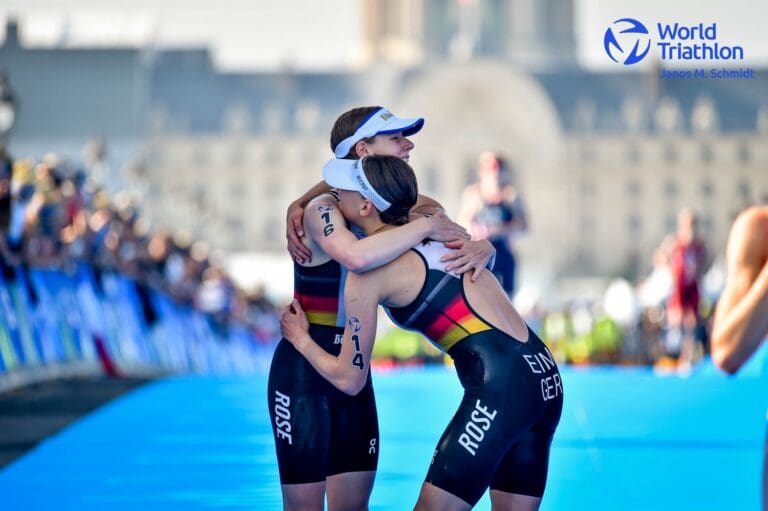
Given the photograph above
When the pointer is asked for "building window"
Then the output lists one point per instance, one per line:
(430, 179)
(310, 156)
(272, 230)
(470, 171)
(272, 190)
(634, 225)
(706, 153)
(237, 190)
(587, 153)
(587, 189)
(670, 223)
(744, 154)
(705, 224)
(587, 225)
(272, 156)
(236, 157)
(634, 189)
(634, 154)
(707, 189)
(202, 158)
(156, 157)
(670, 189)
(585, 259)
(744, 191)
(670, 153)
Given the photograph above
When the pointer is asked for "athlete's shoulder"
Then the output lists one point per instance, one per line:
(748, 240)
(327, 198)
(432, 252)
(753, 220)
(320, 208)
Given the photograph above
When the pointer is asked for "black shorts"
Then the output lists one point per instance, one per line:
(501, 434)
(319, 431)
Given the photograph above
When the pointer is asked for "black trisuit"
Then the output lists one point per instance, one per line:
(319, 431)
(513, 394)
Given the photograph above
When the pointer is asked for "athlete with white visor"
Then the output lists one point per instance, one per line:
(328, 442)
(501, 433)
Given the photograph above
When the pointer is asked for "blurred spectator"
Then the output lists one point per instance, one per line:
(6, 172)
(685, 254)
(493, 209)
(95, 157)
(52, 215)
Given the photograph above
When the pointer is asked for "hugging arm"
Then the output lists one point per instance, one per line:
(328, 228)
(294, 229)
(349, 371)
(468, 255)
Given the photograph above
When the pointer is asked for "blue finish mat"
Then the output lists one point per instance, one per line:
(628, 440)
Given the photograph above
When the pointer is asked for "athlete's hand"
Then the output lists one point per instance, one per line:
(469, 255)
(445, 229)
(294, 325)
(293, 233)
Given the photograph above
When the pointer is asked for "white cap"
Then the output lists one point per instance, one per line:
(349, 175)
(380, 122)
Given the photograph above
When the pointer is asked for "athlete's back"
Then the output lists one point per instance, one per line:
(402, 281)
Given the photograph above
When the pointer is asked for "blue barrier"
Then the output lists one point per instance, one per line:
(58, 318)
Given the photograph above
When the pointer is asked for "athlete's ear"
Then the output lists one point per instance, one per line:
(367, 208)
(361, 148)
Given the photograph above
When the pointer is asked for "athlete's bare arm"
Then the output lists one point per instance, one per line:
(473, 255)
(295, 214)
(327, 229)
(741, 317)
(347, 372)
(294, 227)
(427, 206)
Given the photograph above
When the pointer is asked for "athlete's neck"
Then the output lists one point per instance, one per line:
(371, 226)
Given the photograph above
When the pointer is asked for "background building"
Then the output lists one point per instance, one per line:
(605, 160)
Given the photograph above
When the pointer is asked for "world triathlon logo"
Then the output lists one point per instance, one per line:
(630, 42)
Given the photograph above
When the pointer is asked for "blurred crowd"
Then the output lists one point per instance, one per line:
(53, 214)
(662, 319)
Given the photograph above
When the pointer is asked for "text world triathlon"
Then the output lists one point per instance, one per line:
(672, 47)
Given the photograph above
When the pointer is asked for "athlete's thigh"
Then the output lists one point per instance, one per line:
(354, 443)
(432, 498)
(523, 469)
(349, 491)
(300, 417)
(303, 497)
(471, 447)
(501, 501)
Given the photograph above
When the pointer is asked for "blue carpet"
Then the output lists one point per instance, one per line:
(629, 440)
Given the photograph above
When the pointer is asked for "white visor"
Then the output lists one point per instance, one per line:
(381, 122)
(349, 175)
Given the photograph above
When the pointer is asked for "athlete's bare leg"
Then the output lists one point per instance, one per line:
(349, 491)
(503, 501)
(303, 497)
(433, 498)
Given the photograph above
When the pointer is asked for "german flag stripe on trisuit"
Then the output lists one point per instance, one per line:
(320, 310)
(453, 323)
(318, 291)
